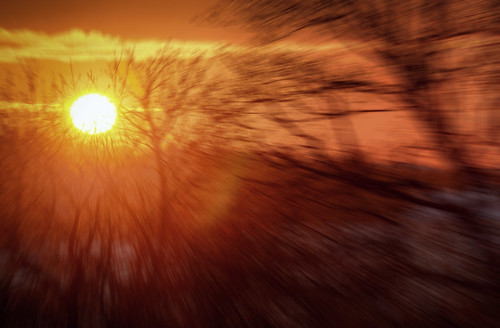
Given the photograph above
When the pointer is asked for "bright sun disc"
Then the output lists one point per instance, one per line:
(93, 113)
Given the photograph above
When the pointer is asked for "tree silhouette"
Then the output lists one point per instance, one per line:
(413, 41)
(424, 50)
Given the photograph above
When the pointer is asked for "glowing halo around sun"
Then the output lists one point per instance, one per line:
(93, 114)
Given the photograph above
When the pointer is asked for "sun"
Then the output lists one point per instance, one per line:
(93, 113)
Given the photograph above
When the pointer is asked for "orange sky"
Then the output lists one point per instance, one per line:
(145, 19)
(92, 31)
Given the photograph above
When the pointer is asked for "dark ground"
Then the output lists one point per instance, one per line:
(266, 241)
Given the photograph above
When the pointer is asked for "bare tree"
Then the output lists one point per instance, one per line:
(157, 96)
(412, 40)
(424, 47)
